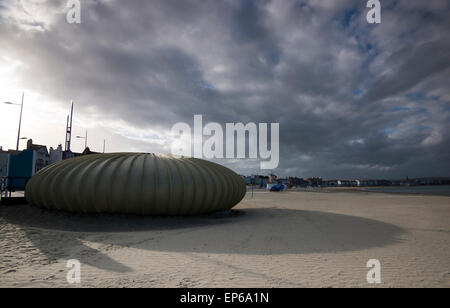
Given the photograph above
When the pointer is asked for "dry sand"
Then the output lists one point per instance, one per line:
(288, 239)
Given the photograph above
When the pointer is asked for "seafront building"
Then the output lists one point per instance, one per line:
(256, 180)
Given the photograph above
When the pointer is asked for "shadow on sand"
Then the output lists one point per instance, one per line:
(256, 231)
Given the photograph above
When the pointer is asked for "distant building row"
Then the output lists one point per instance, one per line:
(16, 167)
(292, 182)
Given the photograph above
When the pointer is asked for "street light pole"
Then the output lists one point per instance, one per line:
(20, 118)
(20, 122)
(85, 139)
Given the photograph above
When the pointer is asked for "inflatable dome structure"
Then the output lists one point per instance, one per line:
(135, 183)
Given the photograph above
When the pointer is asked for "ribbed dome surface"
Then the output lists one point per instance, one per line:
(135, 183)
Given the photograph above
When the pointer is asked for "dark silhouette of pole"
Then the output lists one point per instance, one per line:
(20, 122)
(69, 130)
(251, 181)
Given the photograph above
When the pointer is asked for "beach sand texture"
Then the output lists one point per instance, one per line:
(287, 239)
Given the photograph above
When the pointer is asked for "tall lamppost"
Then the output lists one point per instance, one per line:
(85, 139)
(20, 118)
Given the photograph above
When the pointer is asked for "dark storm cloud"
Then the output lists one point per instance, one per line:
(409, 66)
(352, 99)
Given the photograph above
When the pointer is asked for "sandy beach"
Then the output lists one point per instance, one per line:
(288, 239)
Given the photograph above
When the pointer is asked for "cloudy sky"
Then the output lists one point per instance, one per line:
(353, 99)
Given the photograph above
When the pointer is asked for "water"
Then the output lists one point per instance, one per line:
(438, 190)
